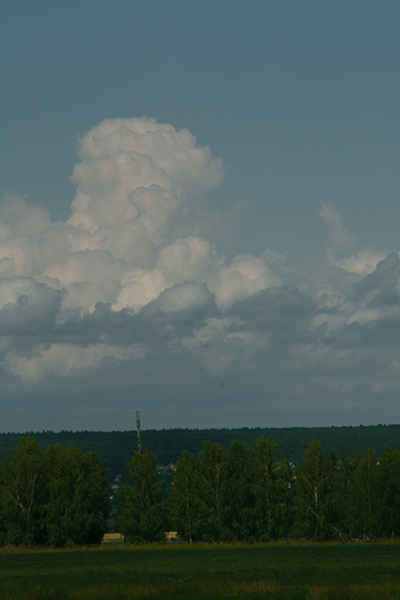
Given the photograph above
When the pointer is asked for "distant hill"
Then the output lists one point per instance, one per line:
(116, 447)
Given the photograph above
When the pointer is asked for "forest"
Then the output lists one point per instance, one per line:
(115, 448)
(61, 497)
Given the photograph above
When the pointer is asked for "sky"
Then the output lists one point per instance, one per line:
(199, 214)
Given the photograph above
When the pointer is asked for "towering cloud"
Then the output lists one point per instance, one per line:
(135, 290)
(138, 225)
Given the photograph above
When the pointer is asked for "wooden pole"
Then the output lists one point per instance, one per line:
(139, 443)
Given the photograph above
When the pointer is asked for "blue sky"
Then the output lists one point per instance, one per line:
(268, 281)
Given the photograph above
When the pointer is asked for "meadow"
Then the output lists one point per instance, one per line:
(279, 571)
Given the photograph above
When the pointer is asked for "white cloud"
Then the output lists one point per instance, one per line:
(139, 184)
(189, 296)
(172, 157)
(363, 263)
(137, 180)
(191, 258)
(245, 276)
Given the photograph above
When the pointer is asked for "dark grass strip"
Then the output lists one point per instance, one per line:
(277, 571)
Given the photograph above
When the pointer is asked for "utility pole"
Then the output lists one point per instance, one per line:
(139, 443)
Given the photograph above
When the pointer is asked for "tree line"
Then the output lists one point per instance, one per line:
(246, 494)
(61, 496)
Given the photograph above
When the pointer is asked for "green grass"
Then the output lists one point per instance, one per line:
(277, 571)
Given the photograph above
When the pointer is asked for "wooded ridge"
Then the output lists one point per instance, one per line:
(115, 448)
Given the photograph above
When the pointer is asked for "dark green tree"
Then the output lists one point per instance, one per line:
(211, 480)
(185, 502)
(317, 497)
(363, 503)
(24, 495)
(3, 530)
(389, 491)
(141, 511)
(239, 520)
(273, 491)
(78, 503)
(91, 501)
(284, 495)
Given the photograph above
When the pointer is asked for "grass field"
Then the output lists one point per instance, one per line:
(362, 571)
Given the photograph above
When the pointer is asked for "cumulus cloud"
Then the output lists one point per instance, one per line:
(135, 290)
(363, 263)
(244, 276)
(134, 225)
(138, 182)
(188, 297)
